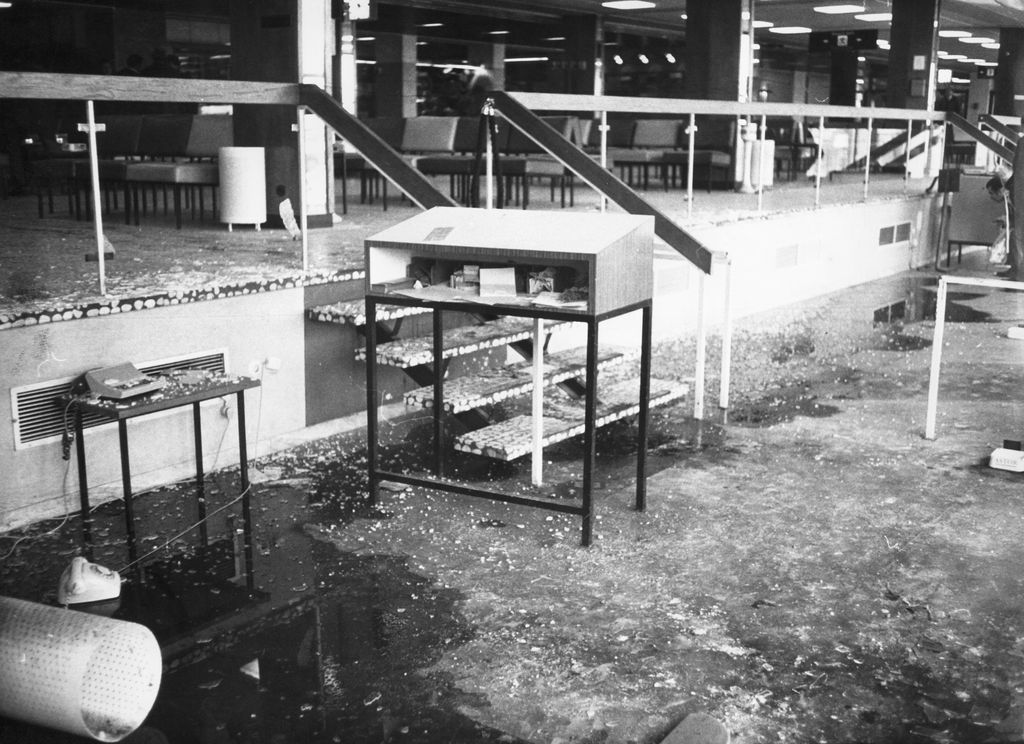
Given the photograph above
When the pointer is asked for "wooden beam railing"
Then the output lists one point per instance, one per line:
(46, 85)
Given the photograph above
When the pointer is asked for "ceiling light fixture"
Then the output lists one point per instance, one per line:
(431, 25)
(837, 9)
(762, 24)
(953, 34)
(617, 59)
(990, 45)
(683, 16)
(628, 4)
(554, 38)
(670, 58)
(527, 59)
(790, 30)
(874, 17)
(643, 58)
(977, 40)
(498, 33)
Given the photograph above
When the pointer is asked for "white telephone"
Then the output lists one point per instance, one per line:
(1008, 457)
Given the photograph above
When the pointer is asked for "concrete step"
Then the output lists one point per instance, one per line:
(412, 352)
(353, 312)
(511, 439)
(494, 385)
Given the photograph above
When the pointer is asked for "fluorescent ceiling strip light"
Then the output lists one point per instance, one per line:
(952, 34)
(990, 45)
(977, 40)
(874, 17)
(628, 4)
(837, 9)
(762, 24)
(789, 30)
(527, 59)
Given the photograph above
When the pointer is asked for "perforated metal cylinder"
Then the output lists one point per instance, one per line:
(72, 671)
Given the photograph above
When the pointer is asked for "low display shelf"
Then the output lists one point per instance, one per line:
(546, 266)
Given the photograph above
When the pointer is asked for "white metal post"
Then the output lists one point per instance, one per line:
(692, 132)
(726, 373)
(603, 130)
(760, 164)
(537, 456)
(933, 378)
(489, 157)
(906, 156)
(867, 158)
(818, 163)
(97, 212)
(301, 112)
(698, 375)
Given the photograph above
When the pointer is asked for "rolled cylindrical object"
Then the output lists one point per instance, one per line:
(85, 674)
(243, 186)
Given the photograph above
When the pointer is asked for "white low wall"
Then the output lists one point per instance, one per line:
(785, 258)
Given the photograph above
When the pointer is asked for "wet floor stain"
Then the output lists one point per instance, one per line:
(348, 662)
(326, 646)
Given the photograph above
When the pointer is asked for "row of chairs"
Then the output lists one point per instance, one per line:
(139, 155)
(635, 147)
(446, 146)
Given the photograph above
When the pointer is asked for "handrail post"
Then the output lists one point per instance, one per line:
(818, 164)
(906, 156)
(726, 371)
(603, 130)
(304, 210)
(691, 132)
(867, 157)
(702, 339)
(760, 163)
(97, 215)
(933, 377)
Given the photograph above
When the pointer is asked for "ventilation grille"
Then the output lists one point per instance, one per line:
(38, 417)
(894, 234)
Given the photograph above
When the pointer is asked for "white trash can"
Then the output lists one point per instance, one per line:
(243, 186)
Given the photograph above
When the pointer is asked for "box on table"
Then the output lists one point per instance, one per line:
(606, 258)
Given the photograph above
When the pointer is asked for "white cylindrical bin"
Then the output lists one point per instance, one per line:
(243, 186)
(85, 674)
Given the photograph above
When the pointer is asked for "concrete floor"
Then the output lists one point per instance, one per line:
(812, 569)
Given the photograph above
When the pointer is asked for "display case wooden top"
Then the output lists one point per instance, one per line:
(613, 252)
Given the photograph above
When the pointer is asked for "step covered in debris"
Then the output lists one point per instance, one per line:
(461, 341)
(501, 383)
(353, 312)
(511, 439)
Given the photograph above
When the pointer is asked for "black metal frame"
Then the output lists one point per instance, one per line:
(122, 411)
(585, 510)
